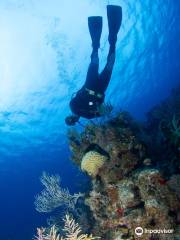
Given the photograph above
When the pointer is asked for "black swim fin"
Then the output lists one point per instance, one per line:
(95, 29)
(114, 15)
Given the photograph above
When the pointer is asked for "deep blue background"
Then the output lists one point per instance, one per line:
(45, 49)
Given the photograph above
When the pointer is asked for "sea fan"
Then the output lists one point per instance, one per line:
(53, 195)
(52, 235)
(71, 229)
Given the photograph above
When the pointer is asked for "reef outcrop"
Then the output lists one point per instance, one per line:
(127, 190)
(162, 133)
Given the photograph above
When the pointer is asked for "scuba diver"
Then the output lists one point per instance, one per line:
(88, 100)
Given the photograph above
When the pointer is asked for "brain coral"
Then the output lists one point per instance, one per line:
(92, 162)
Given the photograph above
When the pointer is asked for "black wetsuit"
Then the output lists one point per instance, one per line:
(88, 99)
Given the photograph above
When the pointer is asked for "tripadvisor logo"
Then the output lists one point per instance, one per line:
(139, 231)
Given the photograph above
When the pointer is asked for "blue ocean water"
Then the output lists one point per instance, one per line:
(45, 50)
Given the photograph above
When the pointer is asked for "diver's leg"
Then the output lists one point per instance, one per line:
(105, 76)
(92, 73)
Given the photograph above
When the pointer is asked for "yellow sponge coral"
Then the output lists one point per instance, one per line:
(92, 162)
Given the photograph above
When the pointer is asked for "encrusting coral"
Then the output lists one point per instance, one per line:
(126, 191)
(162, 133)
(114, 139)
(174, 183)
(92, 161)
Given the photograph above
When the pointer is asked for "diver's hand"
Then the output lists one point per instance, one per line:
(105, 109)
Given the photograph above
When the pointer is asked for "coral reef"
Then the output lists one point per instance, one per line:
(92, 161)
(53, 196)
(72, 231)
(114, 139)
(174, 183)
(162, 133)
(143, 199)
(128, 191)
